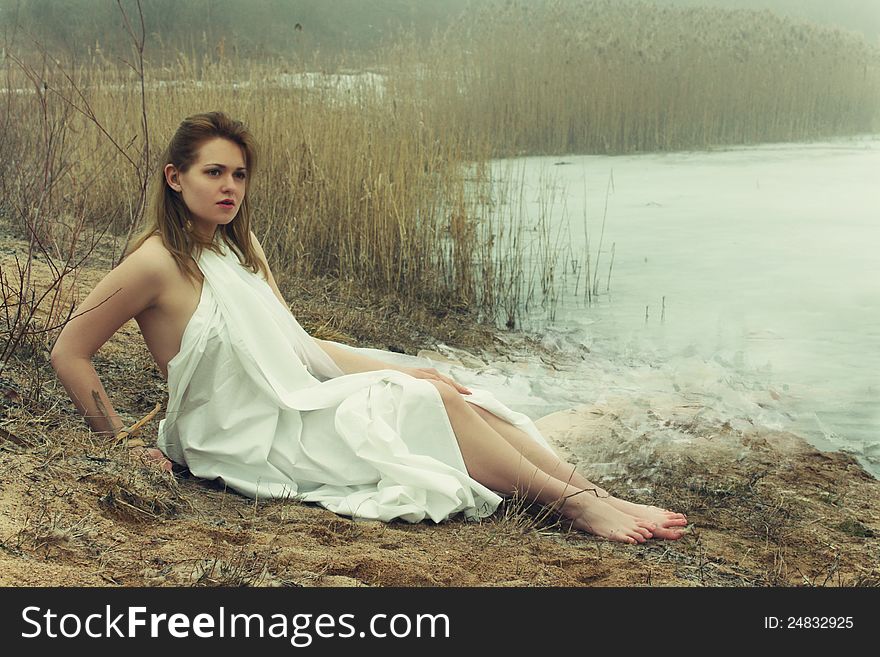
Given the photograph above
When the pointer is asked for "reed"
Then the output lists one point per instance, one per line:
(386, 179)
(352, 184)
(595, 76)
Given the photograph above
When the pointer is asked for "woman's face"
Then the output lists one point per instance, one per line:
(213, 187)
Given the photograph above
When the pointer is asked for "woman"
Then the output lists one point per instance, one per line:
(257, 402)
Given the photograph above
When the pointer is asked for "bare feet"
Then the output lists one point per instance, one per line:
(595, 516)
(667, 524)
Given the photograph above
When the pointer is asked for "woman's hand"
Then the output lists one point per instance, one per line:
(431, 373)
(151, 457)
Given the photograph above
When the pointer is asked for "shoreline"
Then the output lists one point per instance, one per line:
(765, 508)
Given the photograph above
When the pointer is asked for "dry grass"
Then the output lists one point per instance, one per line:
(351, 184)
(602, 76)
(382, 180)
(76, 512)
(379, 215)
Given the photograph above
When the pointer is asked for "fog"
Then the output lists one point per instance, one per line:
(855, 15)
(269, 27)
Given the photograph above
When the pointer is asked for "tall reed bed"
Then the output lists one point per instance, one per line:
(351, 183)
(385, 180)
(596, 76)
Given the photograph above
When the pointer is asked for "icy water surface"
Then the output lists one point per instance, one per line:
(745, 279)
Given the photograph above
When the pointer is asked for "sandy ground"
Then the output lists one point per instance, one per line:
(765, 508)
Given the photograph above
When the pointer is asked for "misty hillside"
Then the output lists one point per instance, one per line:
(856, 15)
(255, 27)
(310, 28)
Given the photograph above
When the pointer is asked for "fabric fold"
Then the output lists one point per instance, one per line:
(255, 402)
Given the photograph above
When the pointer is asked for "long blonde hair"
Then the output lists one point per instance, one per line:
(169, 217)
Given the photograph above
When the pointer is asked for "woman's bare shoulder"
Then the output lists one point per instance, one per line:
(135, 285)
(152, 246)
(154, 259)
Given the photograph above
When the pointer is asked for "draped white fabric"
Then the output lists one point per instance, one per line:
(254, 401)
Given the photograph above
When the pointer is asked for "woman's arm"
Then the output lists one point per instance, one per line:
(348, 362)
(351, 363)
(122, 294)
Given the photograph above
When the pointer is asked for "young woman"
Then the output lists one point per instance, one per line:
(255, 401)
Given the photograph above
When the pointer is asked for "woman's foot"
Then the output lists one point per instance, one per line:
(668, 525)
(595, 516)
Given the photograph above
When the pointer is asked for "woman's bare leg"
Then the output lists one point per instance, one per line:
(666, 524)
(494, 462)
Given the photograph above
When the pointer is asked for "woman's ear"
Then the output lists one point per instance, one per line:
(172, 177)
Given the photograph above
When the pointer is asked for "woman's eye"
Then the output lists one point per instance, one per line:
(213, 171)
(241, 175)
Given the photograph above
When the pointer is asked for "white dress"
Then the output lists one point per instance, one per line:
(255, 402)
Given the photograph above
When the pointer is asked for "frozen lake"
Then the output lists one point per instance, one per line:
(748, 278)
